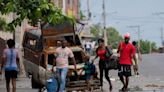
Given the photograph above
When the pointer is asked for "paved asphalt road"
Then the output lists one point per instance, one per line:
(151, 78)
(153, 65)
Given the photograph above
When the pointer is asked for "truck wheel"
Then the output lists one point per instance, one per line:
(34, 84)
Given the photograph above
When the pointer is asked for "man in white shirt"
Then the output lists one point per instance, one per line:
(62, 55)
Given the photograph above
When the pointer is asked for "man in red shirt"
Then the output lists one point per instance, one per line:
(127, 53)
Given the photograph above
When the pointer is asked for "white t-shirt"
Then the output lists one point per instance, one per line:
(88, 45)
(62, 55)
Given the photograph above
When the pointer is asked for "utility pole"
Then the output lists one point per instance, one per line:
(150, 47)
(162, 40)
(138, 33)
(138, 36)
(88, 10)
(104, 23)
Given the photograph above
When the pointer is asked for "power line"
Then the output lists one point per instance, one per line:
(142, 21)
(138, 29)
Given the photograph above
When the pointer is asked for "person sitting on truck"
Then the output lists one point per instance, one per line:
(62, 54)
(10, 64)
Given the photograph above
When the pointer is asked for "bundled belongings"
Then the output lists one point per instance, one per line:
(112, 61)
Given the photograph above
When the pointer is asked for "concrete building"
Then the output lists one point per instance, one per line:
(69, 7)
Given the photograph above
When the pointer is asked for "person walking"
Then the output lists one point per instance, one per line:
(138, 57)
(90, 70)
(88, 47)
(127, 53)
(10, 64)
(100, 52)
(62, 55)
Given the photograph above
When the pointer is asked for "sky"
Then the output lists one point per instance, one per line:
(125, 14)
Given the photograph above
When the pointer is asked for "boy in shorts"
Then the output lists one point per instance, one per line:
(89, 70)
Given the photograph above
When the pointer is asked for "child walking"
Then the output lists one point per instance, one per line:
(89, 70)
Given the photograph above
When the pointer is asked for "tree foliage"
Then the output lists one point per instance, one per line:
(113, 35)
(82, 16)
(114, 38)
(96, 30)
(33, 10)
(3, 25)
(146, 46)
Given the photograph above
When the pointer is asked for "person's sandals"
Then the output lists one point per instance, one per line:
(110, 88)
(123, 89)
(137, 73)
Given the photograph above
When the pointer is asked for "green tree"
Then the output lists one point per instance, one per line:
(113, 37)
(82, 16)
(3, 25)
(96, 30)
(146, 46)
(33, 10)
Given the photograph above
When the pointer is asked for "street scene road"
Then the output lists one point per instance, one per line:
(39, 31)
(151, 78)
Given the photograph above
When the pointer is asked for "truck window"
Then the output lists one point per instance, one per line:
(32, 42)
(78, 58)
(51, 57)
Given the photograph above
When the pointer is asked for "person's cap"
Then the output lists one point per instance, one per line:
(127, 35)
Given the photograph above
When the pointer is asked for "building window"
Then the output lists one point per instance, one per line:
(70, 3)
(60, 3)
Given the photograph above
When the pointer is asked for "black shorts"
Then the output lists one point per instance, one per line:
(124, 70)
(11, 74)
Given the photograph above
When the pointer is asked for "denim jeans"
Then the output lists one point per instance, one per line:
(63, 73)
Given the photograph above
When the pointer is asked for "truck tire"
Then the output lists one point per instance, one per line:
(34, 84)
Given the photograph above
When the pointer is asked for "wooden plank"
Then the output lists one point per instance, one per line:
(83, 88)
(53, 32)
(83, 83)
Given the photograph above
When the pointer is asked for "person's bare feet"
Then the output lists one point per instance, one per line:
(101, 88)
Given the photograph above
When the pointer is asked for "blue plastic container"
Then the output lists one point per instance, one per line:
(52, 85)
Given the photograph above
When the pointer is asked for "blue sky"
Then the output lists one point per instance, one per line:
(148, 14)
